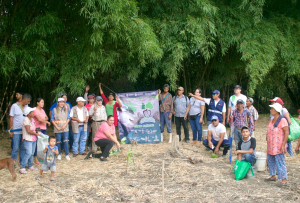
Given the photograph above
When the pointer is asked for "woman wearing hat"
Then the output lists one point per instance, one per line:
(29, 140)
(60, 119)
(277, 137)
(111, 105)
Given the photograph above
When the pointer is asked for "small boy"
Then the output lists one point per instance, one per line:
(50, 159)
(246, 147)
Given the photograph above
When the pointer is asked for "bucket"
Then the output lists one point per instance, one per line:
(249, 174)
(261, 161)
(204, 134)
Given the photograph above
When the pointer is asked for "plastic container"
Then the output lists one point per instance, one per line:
(261, 161)
(249, 174)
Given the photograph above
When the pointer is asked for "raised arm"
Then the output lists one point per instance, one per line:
(102, 95)
(197, 97)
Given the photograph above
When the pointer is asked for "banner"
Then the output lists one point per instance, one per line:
(139, 117)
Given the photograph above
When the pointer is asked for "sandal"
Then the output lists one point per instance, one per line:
(103, 159)
(270, 179)
(88, 155)
(52, 179)
(282, 184)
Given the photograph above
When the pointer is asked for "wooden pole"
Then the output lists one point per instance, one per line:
(163, 182)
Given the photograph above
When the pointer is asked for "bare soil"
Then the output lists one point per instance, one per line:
(210, 180)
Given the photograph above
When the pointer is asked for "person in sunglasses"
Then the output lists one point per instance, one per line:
(217, 137)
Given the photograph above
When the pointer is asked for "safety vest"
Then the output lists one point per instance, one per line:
(215, 110)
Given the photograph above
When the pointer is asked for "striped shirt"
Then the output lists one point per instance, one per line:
(240, 120)
(253, 112)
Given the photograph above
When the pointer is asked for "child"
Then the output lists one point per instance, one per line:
(246, 147)
(50, 159)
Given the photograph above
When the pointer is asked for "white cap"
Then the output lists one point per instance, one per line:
(60, 99)
(277, 107)
(28, 110)
(80, 99)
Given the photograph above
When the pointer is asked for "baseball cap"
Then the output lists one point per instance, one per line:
(28, 110)
(277, 107)
(251, 100)
(99, 98)
(80, 99)
(91, 96)
(180, 88)
(244, 127)
(60, 99)
(239, 101)
(166, 85)
(216, 92)
(238, 87)
(214, 118)
(277, 100)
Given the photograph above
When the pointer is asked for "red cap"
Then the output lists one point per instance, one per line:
(90, 97)
(277, 100)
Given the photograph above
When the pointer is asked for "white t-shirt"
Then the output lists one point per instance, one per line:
(216, 131)
(17, 113)
(233, 99)
(207, 101)
(79, 113)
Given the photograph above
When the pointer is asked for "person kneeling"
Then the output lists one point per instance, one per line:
(105, 137)
(246, 147)
(217, 137)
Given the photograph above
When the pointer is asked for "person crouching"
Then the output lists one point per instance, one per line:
(217, 137)
(79, 116)
(246, 147)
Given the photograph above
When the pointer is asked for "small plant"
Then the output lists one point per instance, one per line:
(130, 157)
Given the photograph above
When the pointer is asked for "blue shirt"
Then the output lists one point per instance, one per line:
(52, 115)
(55, 105)
(180, 105)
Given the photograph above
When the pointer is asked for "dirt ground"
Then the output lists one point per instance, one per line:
(93, 181)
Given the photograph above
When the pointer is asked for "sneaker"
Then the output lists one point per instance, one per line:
(68, 158)
(187, 141)
(103, 159)
(83, 153)
(23, 171)
(207, 149)
(32, 168)
(75, 155)
(52, 179)
(59, 157)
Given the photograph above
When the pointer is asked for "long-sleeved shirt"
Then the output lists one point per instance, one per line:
(253, 112)
(240, 120)
(167, 104)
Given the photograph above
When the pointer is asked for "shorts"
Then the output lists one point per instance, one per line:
(46, 168)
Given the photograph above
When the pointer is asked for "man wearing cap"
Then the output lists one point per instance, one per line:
(233, 102)
(216, 106)
(79, 116)
(241, 117)
(98, 114)
(166, 109)
(253, 112)
(217, 136)
(15, 122)
(181, 103)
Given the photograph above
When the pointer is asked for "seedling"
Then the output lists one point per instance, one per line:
(130, 158)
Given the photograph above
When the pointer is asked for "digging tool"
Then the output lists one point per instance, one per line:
(230, 140)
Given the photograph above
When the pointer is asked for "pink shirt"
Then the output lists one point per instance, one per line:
(41, 113)
(275, 137)
(88, 106)
(100, 132)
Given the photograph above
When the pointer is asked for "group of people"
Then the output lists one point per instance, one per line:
(92, 120)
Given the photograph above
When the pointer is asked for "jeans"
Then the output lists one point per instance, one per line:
(225, 144)
(237, 137)
(164, 119)
(82, 135)
(18, 144)
(249, 158)
(178, 122)
(12, 143)
(45, 133)
(89, 133)
(196, 128)
(71, 136)
(62, 137)
(29, 152)
(105, 146)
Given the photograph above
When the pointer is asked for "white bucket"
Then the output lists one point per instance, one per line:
(261, 161)
(204, 134)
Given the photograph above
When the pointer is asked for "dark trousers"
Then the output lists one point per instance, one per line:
(105, 146)
(178, 122)
(225, 144)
